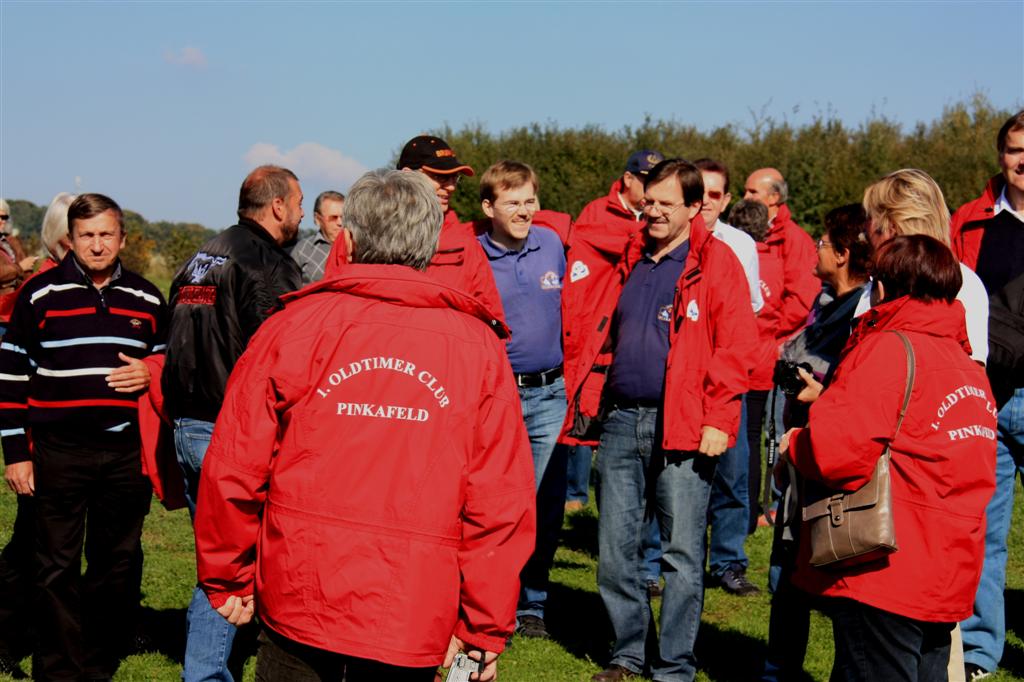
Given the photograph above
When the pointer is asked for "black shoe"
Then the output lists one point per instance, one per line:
(9, 666)
(973, 671)
(532, 626)
(653, 589)
(734, 581)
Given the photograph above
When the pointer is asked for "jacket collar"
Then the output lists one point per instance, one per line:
(983, 207)
(399, 285)
(258, 230)
(615, 204)
(938, 319)
(782, 219)
(72, 271)
(699, 238)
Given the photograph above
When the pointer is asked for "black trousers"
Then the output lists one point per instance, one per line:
(91, 492)
(872, 644)
(280, 659)
(756, 401)
(17, 573)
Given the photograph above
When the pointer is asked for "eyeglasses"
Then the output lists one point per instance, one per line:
(822, 242)
(4, 216)
(443, 178)
(663, 210)
(714, 194)
(512, 207)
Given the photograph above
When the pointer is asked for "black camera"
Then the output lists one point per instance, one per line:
(787, 378)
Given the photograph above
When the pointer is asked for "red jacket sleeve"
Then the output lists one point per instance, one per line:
(233, 484)
(854, 419)
(499, 518)
(734, 344)
(800, 286)
(481, 279)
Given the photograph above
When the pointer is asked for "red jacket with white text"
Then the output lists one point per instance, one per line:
(968, 223)
(370, 477)
(942, 466)
(712, 341)
(800, 287)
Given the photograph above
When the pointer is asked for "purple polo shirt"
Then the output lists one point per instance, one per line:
(641, 326)
(529, 282)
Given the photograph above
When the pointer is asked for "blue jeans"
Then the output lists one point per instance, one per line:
(650, 550)
(578, 484)
(729, 509)
(208, 645)
(985, 632)
(543, 412)
(635, 473)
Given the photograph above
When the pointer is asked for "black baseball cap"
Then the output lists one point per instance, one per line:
(433, 154)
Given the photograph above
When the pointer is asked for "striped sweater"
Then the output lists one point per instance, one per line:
(62, 342)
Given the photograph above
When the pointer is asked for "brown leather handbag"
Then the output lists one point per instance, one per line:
(850, 528)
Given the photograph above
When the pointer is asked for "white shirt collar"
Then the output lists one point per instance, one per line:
(622, 200)
(1003, 204)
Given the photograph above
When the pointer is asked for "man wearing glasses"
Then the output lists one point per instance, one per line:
(458, 261)
(528, 263)
(662, 374)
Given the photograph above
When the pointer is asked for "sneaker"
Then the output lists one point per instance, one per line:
(653, 589)
(532, 626)
(10, 667)
(734, 581)
(973, 671)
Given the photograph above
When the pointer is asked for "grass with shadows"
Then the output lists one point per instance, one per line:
(731, 644)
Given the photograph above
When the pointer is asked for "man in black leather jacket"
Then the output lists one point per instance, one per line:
(219, 298)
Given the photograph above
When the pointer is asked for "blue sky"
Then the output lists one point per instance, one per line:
(166, 105)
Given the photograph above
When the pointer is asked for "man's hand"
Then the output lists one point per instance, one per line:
(490, 660)
(712, 441)
(28, 262)
(238, 610)
(130, 377)
(810, 392)
(21, 477)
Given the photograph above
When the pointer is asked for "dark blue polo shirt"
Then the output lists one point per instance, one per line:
(529, 282)
(641, 326)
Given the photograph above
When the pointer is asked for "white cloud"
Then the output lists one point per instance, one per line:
(310, 161)
(187, 56)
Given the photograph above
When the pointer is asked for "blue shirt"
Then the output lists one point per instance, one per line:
(529, 282)
(641, 326)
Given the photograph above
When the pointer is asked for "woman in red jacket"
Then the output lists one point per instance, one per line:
(892, 617)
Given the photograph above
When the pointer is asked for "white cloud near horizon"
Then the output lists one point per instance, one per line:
(192, 57)
(310, 161)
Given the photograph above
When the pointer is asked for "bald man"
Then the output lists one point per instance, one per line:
(789, 242)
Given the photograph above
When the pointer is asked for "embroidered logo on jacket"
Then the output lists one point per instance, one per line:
(193, 295)
(550, 280)
(578, 271)
(201, 264)
(665, 313)
(692, 311)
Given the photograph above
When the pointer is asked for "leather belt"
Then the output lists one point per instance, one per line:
(538, 379)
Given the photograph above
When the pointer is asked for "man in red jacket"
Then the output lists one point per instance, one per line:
(599, 236)
(791, 244)
(369, 487)
(988, 236)
(664, 365)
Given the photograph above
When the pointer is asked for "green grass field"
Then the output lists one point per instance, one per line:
(731, 644)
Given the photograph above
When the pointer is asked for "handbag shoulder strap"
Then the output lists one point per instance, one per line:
(910, 379)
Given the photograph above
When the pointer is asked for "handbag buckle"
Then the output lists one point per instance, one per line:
(835, 510)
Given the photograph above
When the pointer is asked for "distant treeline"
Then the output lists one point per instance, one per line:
(156, 249)
(825, 163)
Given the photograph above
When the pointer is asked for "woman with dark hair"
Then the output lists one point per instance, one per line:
(892, 617)
(844, 259)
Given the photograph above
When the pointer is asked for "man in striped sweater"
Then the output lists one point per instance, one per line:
(70, 377)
